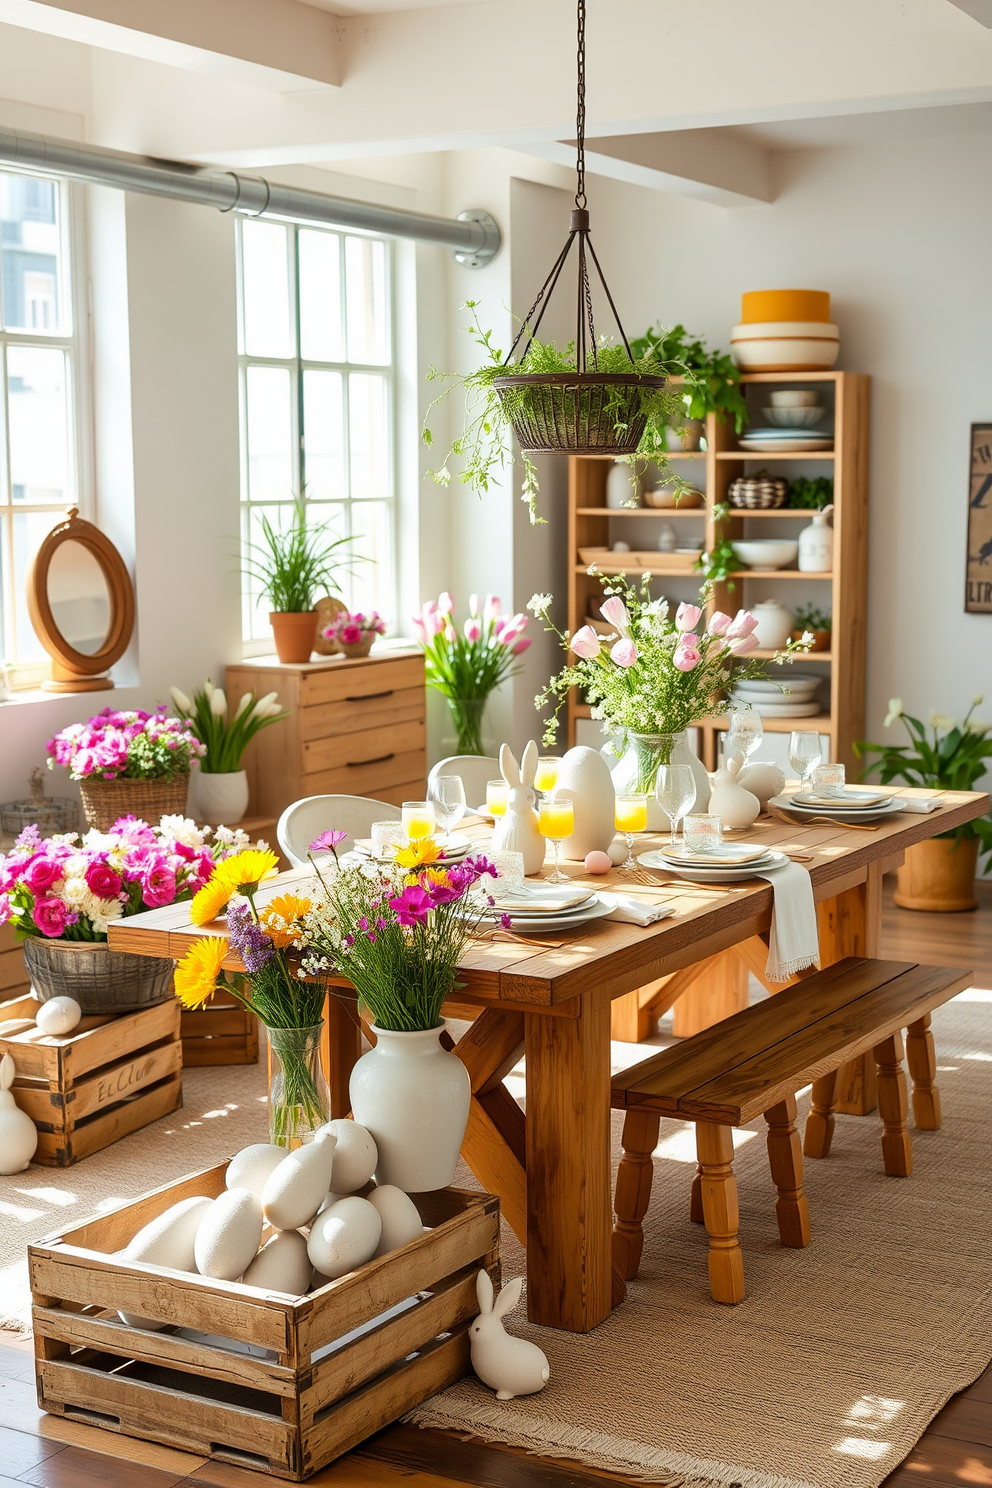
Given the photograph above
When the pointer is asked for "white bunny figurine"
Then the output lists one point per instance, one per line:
(510, 1366)
(18, 1133)
(517, 829)
(735, 806)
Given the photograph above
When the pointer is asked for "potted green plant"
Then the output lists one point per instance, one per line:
(219, 792)
(938, 874)
(810, 493)
(719, 562)
(292, 567)
(711, 381)
(815, 622)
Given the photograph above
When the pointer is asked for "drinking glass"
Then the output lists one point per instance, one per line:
(547, 773)
(556, 820)
(675, 792)
(509, 873)
(746, 732)
(702, 834)
(630, 815)
(805, 753)
(418, 819)
(828, 780)
(496, 794)
(387, 835)
(447, 796)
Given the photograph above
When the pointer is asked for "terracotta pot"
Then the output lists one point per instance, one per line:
(294, 634)
(939, 875)
(821, 639)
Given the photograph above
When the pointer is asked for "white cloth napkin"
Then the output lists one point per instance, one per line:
(631, 911)
(793, 943)
(920, 804)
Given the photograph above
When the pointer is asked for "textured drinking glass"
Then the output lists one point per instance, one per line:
(828, 780)
(418, 819)
(547, 773)
(746, 731)
(702, 834)
(387, 835)
(556, 820)
(805, 753)
(675, 792)
(630, 815)
(447, 796)
(509, 873)
(496, 793)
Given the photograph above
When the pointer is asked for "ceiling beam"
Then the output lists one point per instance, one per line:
(712, 165)
(279, 45)
(979, 10)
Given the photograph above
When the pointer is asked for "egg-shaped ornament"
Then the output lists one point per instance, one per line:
(282, 1265)
(227, 1240)
(251, 1167)
(296, 1188)
(584, 779)
(58, 1016)
(401, 1221)
(355, 1155)
(344, 1236)
(166, 1240)
(597, 862)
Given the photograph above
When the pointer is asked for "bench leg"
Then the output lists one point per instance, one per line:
(696, 1197)
(786, 1160)
(640, 1138)
(922, 1061)
(820, 1121)
(715, 1150)
(893, 1107)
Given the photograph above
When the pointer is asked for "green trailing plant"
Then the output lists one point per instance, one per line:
(720, 561)
(712, 381)
(951, 756)
(292, 567)
(808, 617)
(811, 493)
(485, 446)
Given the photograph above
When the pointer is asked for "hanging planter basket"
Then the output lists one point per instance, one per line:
(577, 413)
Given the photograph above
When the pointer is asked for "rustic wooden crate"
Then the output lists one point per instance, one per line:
(291, 1405)
(110, 1076)
(14, 979)
(222, 1033)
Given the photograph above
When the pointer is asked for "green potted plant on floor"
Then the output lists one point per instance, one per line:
(291, 568)
(219, 791)
(938, 874)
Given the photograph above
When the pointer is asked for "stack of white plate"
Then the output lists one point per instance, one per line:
(850, 805)
(769, 699)
(727, 864)
(796, 440)
(545, 907)
(803, 417)
(453, 848)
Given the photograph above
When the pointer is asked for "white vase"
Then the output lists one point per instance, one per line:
(219, 800)
(637, 771)
(621, 486)
(816, 544)
(774, 625)
(414, 1097)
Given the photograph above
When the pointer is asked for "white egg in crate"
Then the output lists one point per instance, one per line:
(296, 1188)
(227, 1240)
(355, 1155)
(282, 1265)
(58, 1016)
(344, 1236)
(167, 1240)
(251, 1167)
(401, 1221)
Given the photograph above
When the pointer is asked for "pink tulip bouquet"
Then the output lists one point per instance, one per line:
(71, 887)
(465, 665)
(133, 745)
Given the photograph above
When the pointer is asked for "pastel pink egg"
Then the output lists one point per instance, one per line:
(598, 862)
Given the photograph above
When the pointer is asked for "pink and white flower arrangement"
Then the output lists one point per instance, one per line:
(465, 664)
(351, 628)
(129, 744)
(70, 887)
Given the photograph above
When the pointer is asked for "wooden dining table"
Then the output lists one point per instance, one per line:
(550, 1002)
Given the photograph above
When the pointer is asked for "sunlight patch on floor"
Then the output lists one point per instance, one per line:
(680, 1146)
(857, 1446)
(59, 1196)
(974, 994)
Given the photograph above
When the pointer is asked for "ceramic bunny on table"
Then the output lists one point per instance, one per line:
(517, 830)
(735, 806)
(510, 1366)
(18, 1133)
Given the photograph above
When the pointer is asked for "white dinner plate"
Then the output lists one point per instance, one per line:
(785, 709)
(849, 801)
(543, 924)
(711, 875)
(453, 849)
(842, 813)
(779, 442)
(795, 681)
(729, 855)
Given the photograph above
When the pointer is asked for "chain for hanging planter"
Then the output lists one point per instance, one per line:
(591, 411)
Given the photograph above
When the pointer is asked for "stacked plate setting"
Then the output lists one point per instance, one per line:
(787, 439)
(769, 699)
(727, 864)
(849, 804)
(537, 908)
(453, 849)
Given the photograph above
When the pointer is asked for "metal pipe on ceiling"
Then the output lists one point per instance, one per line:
(474, 236)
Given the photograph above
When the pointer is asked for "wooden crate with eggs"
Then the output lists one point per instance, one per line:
(165, 1320)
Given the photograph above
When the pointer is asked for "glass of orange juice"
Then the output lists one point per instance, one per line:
(556, 820)
(418, 819)
(547, 773)
(496, 794)
(630, 815)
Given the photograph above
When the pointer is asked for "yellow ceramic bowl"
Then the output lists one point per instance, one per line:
(784, 304)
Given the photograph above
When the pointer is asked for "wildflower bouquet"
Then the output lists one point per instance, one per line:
(224, 738)
(397, 932)
(465, 666)
(70, 887)
(129, 745)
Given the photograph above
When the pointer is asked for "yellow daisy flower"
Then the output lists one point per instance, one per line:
(245, 870)
(428, 875)
(210, 900)
(197, 972)
(418, 853)
(279, 919)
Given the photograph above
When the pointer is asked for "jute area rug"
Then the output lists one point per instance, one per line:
(831, 1369)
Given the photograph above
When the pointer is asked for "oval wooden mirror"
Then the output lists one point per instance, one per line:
(81, 603)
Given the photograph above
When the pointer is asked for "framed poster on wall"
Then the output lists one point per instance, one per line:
(978, 580)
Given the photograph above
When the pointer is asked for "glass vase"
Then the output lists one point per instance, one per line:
(648, 753)
(299, 1100)
(466, 715)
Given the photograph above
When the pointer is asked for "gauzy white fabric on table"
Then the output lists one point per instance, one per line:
(632, 911)
(793, 943)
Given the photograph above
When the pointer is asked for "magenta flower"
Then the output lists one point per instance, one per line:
(351, 635)
(102, 881)
(41, 873)
(51, 916)
(520, 645)
(473, 628)
(327, 841)
(412, 906)
(159, 886)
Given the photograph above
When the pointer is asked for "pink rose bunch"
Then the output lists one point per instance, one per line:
(132, 744)
(71, 887)
(351, 627)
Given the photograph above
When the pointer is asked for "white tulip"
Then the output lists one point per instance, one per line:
(208, 688)
(244, 704)
(218, 702)
(264, 705)
(181, 701)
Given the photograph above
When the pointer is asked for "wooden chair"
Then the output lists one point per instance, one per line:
(751, 1065)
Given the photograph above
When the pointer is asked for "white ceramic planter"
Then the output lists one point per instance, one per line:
(774, 624)
(220, 800)
(414, 1097)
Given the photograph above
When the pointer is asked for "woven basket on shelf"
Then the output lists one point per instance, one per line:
(570, 413)
(105, 800)
(99, 979)
(758, 492)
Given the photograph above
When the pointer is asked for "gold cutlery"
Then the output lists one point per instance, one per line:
(818, 821)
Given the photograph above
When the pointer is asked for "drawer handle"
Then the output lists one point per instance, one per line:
(380, 759)
(367, 697)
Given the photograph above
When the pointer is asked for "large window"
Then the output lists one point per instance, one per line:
(317, 397)
(38, 367)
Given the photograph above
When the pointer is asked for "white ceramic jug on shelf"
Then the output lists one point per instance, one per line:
(816, 544)
(621, 486)
(774, 624)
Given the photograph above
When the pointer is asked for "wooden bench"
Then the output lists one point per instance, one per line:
(752, 1064)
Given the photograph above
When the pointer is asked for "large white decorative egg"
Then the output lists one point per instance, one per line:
(166, 1240)
(282, 1265)
(250, 1167)
(344, 1236)
(227, 1240)
(58, 1016)
(355, 1155)
(401, 1221)
(584, 778)
(296, 1188)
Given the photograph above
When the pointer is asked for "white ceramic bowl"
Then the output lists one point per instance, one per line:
(794, 418)
(769, 552)
(793, 398)
(785, 346)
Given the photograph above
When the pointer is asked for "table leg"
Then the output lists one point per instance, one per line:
(851, 925)
(340, 1048)
(569, 1207)
(494, 1144)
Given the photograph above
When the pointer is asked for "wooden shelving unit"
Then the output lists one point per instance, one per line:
(589, 525)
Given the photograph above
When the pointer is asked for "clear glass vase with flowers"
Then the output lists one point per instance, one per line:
(466, 665)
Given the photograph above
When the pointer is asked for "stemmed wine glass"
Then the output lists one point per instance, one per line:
(556, 821)
(675, 792)
(630, 815)
(746, 732)
(805, 753)
(446, 794)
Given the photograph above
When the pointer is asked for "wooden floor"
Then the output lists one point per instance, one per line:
(956, 1451)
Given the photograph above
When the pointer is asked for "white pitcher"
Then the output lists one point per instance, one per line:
(816, 544)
